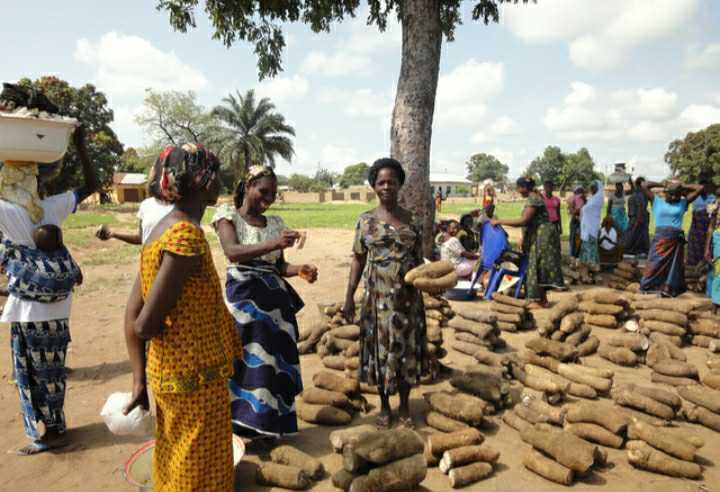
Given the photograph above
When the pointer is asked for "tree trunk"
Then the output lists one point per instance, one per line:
(414, 107)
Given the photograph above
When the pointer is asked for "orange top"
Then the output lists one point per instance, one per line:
(199, 340)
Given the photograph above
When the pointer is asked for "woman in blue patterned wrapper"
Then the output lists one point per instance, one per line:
(665, 267)
(264, 306)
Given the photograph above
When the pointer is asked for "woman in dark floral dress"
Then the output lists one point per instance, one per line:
(539, 236)
(387, 245)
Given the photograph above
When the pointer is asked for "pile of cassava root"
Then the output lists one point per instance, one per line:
(333, 400)
(461, 456)
(624, 275)
(475, 329)
(289, 468)
(379, 461)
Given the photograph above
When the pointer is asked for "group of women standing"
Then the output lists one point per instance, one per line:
(199, 339)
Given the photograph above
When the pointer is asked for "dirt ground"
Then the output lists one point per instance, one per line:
(95, 458)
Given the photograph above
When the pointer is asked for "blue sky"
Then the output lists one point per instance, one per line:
(620, 77)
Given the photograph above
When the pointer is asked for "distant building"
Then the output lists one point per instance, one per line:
(129, 187)
(450, 185)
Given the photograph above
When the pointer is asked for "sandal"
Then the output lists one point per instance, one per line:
(37, 447)
(383, 421)
(407, 423)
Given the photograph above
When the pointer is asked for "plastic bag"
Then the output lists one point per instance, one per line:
(137, 422)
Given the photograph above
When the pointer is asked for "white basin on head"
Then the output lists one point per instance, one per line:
(31, 139)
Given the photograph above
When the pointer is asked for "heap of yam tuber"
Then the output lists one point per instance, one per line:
(342, 479)
(662, 327)
(571, 322)
(604, 297)
(488, 388)
(510, 301)
(333, 382)
(288, 455)
(442, 423)
(439, 443)
(588, 347)
(336, 362)
(594, 308)
(469, 474)
(286, 477)
(435, 269)
(340, 438)
(530, 415)
(515, 421)
(567, 449)
(575, 389)
(705, 326)
(598, 413)
(647, 458)
(465, 408)
(452, 458)
(473, 313)
(676, 368)
(547, 468)
(579, 335)
(576, 374)
(656, 377)
(477, 328)
(701, 396)
(559, 350)
(663, 440)
(670, 399)
(319, 396)
(703, 416)
(628, 398)
(322, 414)
(346, 332)
(538, 383)
(602, 320)
(555, 415)
(404, 474)
(381, 447)
(667, 316)
(436, 285)
(619, 355)
(498, 307)
(711, 380)
(631, 341)
(677, 305)
(595, 433)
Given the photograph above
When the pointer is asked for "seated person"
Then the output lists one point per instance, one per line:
(453, 251)
(610, 248)
(467, 234)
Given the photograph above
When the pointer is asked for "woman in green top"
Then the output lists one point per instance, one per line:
(538, 238)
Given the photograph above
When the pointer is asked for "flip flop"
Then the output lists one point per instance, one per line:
(383, 421)
(37, 447)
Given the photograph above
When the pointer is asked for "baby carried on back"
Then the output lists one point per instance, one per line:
(46, 273)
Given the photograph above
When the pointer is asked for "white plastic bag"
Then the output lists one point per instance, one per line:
(137, 422)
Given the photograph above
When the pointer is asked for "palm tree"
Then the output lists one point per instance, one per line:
(251, 131)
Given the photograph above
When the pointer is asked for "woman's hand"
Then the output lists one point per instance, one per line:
(308, 273)
(495, 222)
(349, 310)
(139, 398)
(103, 233)
(287, 239)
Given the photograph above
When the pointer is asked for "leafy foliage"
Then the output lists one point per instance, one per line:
(563, 169)
(250, 131)
(305, 184)
(354, 175)
(485, 166)
(91, 108)
(696, 156)
(260, 22)
(175, 117)
(325, 177)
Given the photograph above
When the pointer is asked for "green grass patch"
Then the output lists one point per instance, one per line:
(86, 218)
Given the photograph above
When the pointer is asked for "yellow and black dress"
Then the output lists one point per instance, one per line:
(188, 368)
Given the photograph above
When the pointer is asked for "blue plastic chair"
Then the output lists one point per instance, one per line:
(495, 244)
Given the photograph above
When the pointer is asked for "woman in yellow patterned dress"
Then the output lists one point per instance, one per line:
(177, 305)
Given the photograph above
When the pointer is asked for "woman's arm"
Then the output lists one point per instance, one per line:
(709, 239)
(91, 182)
(130, 238)
(527, 215)
(647, 186)
(695, 191)
(166, 289)
(240, 253)
(357, 266)
(136, 350)
(289, 270)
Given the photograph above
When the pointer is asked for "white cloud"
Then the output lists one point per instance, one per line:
(503, 126)
(127, 65)
(699, 116)
(600, 34)
(125, 127)
(653, 104)
(706, 58)
(463, 92)
(580, 93)
(280, 89)
(359, 102)
(353, 54)
(335, 64)
(336, 157)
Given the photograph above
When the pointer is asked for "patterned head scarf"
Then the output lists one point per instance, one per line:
(18, 185)
(183, 168)
(253, 173)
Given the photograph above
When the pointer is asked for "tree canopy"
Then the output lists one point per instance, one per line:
(250, 131)
(696, 156)
(90, 107)
(563, 169)
(354, 175)
(174, 117)
(485, 166)
(304, 184)
(260, 22)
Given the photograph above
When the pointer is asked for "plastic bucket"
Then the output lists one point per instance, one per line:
(34, 139)
(138, 468)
